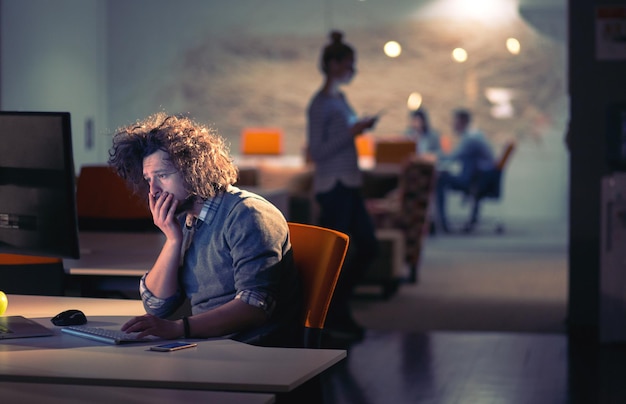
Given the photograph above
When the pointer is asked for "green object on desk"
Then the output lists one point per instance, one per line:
(4, 303)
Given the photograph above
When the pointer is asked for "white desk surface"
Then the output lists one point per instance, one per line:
(219, 364)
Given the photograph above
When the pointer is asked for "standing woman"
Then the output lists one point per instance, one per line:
(332, 127)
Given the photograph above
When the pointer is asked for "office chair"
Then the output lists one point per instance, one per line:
(318, 254)
(264, 141)
(396, 151)
(105, 203)
(31, 275)
(407, 208)
(489, 186)
(248, 177)
(365, 145)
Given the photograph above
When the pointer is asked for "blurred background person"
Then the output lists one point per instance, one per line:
(332, 126)
(474, 154)
(426, 139)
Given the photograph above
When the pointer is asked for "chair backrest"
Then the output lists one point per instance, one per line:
(32, 275)
(490, 184)
(104, 202)
(446, 143)
(16, 259)
(394, 151)
(318, 254)
(365, 145)
(416, 184)
(268, 141)
(248, 177)
(506, 155)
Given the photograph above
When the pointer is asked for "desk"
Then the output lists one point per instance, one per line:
(38, 393)
(288, 162)
(115, 254)
(217, 364)
(111, 263)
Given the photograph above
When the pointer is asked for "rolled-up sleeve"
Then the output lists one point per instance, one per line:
(258, 299)
(155, 305)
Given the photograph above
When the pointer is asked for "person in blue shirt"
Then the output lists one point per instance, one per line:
(475, 157)
(332, 126)
(226, 251)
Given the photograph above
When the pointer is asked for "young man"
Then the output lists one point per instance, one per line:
(226, 250)
(475, 155)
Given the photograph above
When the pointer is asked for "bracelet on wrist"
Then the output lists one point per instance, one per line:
(186, 327)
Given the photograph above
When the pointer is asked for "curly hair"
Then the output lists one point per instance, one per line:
(195, 150)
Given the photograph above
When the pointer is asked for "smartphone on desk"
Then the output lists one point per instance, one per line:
(173, 346)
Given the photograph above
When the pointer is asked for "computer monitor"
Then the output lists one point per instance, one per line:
(37, 185)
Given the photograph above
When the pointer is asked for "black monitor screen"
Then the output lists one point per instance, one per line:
(37, 179)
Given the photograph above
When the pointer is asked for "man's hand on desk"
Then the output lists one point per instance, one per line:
(151, 325)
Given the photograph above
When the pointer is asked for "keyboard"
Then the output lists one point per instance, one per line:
(105, 335)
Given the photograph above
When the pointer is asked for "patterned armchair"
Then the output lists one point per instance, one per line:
(407, 208)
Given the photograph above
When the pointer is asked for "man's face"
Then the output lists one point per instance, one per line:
(162, 177)
(459, 124)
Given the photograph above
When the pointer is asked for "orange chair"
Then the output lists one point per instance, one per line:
(446, 143)
(265, 141)
(489, 187)
(365, 145)
(394, 151)
(32, 275)
(318, 254)
(104, 202)
(506, 155)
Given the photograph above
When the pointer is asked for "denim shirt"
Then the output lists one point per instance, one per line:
(240, 250)
(474, 153)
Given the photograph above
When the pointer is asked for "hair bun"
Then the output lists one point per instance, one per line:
(336, 36)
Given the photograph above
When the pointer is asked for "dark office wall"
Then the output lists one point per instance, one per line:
(594, 84)
(52, 58)
(105, 62)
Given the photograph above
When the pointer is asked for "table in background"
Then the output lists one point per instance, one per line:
(115, 253)
(111, 263)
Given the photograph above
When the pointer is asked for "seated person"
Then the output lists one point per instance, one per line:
(426, 138)
(226, 250)
(476, 158)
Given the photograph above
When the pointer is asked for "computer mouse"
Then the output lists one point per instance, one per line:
(69, 317)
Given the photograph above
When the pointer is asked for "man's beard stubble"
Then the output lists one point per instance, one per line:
(186, 205)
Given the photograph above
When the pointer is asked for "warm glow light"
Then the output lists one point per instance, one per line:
(491, 12)
(392, 49)
(414, 101)
(513, 46)
(500, 98)
(459, 55)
